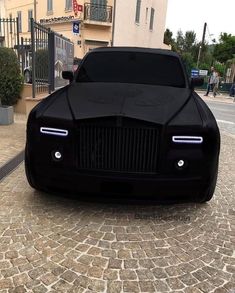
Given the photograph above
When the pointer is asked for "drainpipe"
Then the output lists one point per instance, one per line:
(113, 27)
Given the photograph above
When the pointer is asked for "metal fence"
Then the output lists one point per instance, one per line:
(51, 54)
(97, 12)
(42, 57)
(9, 32)
(24, 50)
(41, 61)
(10, 38)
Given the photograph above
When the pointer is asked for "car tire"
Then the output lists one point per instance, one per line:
(28, 173)
(210, 191)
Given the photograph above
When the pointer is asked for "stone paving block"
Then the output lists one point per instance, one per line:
(97, 285)
(131, 286)
(6, 283)
(114, 287)
(57, 244)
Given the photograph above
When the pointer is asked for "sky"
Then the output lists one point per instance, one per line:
(188, 15)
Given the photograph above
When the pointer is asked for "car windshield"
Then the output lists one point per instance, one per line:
(132, 67)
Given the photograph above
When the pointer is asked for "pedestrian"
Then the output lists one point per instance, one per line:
(216, 83)
(211, 81)
(232, 90)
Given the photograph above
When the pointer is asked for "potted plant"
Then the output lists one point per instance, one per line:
(11, 83)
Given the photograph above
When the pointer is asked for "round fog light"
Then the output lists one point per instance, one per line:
(180, 163)
(57, 155)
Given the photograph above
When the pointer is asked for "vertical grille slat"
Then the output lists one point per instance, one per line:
(118, 149)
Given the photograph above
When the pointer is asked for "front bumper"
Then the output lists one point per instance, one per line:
(121, 185)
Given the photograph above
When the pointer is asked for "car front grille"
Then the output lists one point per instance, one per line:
(117, 149)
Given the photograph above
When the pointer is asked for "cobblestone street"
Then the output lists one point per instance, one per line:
(12, 139)
(53, 243)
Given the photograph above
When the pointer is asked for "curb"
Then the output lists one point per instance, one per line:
(11, 165)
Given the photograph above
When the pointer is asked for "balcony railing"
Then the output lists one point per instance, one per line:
(96, 12)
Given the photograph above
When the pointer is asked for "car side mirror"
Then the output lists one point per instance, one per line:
(67, 75)
(197, 81)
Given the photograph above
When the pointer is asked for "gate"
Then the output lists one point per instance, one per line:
(51, 54)
(41, 61)
(42, 58)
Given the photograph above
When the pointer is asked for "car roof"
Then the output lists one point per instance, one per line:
(135, 49)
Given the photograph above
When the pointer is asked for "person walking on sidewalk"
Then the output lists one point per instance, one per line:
(211, 81)
(232, 90)
(216, 83)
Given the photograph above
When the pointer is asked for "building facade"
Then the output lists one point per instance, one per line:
(140, 23)
(2, 8)
(95, 23)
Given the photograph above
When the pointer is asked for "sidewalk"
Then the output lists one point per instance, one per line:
(223, 97)
(12, 138)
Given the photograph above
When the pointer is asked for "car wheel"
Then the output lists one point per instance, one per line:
(27, 76)
(28, 173)
(210, 191)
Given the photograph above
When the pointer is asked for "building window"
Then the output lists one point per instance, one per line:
(98, 10)
(146, 15)
(30, 15)
(19, 16)
(137, 14)
(10, 16)
(68, 4)
(99, 2)
(49, 6)
(151, 19)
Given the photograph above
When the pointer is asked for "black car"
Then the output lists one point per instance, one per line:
(129, 123)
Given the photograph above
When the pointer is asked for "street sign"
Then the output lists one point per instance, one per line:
(76, 27)
(194, 73)
(203, 72)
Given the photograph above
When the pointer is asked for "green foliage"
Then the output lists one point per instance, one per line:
(168, 39)
(220, 55)
(42, 64)
(187, 47)
(11, 80)
(185, 43)
(220, 68)
(225, 49)
(188, 61)
(189, 40)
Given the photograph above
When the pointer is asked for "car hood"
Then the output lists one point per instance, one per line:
(146, 102)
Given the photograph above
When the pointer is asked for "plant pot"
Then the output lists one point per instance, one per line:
(6, 115)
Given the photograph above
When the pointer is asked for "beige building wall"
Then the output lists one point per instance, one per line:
(23, 6)
(96, 33)
(128, 32)
(2, 8)
(92, 33)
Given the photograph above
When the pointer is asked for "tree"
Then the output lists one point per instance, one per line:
(189, 41)
(225, 49)
(213, 54)
(168, 39)
(180, 41)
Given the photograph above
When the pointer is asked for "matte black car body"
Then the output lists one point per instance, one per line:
(144, 134)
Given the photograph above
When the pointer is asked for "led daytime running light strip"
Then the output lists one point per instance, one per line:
(54, 131)
(188, 139)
